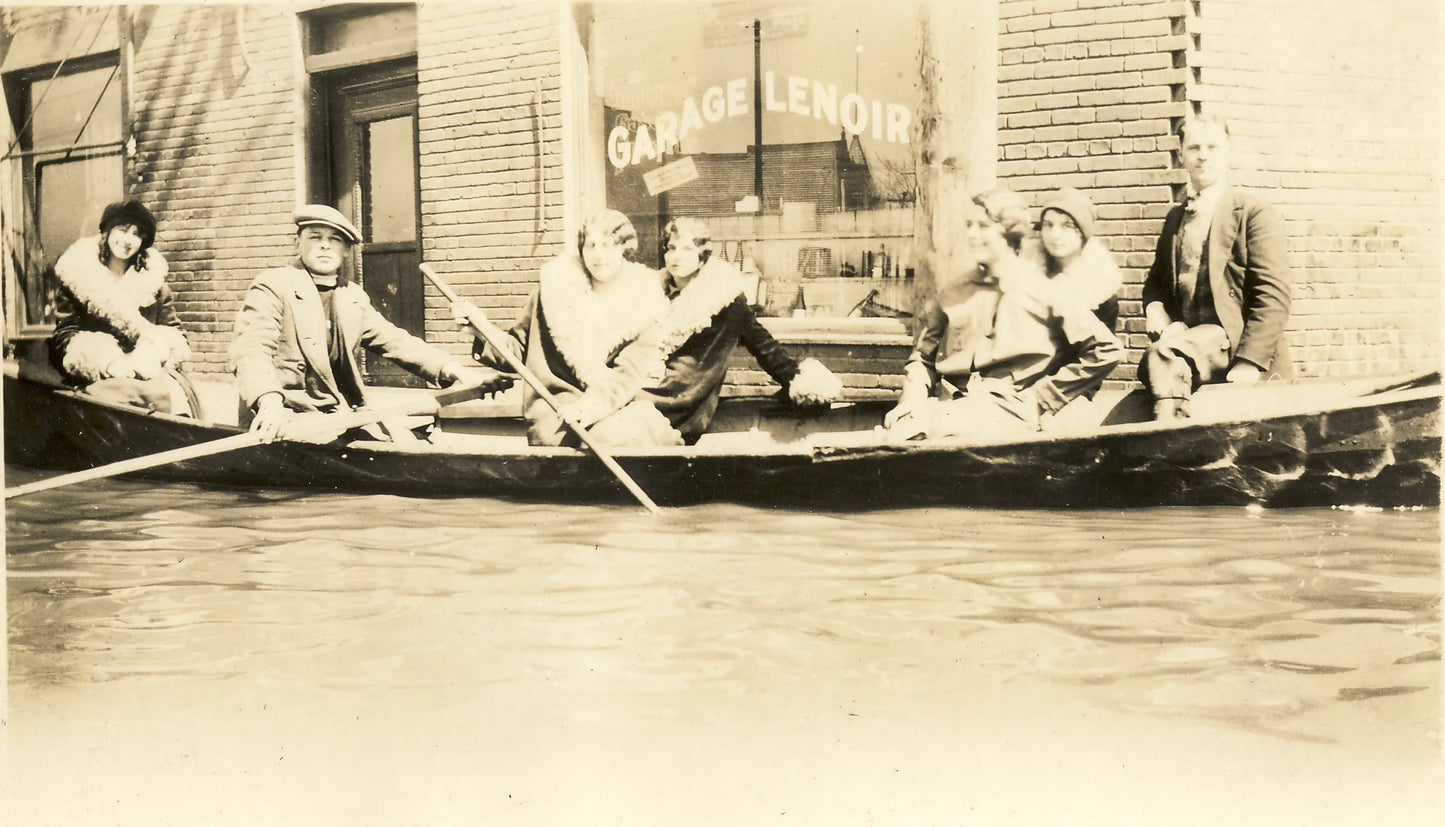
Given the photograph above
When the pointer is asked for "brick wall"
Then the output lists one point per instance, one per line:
(1089, 91)
(215, 120)
(491, 149)
(1334, 109)
(1333, 105)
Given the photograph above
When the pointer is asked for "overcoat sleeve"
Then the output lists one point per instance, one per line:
(382, 337)
(1096, 352)
(254, 342)
(769, 353)
(1266, 285)
(927, 339)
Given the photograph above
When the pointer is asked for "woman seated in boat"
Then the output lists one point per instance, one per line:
(117, 335)
(589, 305)
(997, 352)
(1079, 267)
(707, 316)
(1010, 212)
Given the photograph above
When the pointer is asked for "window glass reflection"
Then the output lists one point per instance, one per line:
(825, 218)
(391, 167)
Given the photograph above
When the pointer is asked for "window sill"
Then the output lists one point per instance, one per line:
(824, 330)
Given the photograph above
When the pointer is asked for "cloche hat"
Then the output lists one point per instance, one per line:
(1076, 205)
(133, 213)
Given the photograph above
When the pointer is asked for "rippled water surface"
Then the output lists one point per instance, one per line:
(191, 656)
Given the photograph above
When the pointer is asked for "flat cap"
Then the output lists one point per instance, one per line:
(310, 215)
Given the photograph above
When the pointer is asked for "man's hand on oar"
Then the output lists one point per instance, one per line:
(485, 381)
(271, 417)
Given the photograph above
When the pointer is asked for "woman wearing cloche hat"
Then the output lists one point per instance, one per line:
(1080, 268)
(117, 334)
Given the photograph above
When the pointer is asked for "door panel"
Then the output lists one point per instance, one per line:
(373, 180)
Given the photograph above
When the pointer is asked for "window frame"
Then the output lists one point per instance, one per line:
(581, 112)
(25, 163)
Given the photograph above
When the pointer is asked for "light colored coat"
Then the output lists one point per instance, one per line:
(575, 339)
(1017, 335)
(280, 344)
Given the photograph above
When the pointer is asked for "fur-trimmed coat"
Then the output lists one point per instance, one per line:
(573, 337)
(1092, 279)
(102, 317)
(693, 342)
(1017, 334)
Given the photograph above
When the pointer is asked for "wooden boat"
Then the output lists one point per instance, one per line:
(1357, 442)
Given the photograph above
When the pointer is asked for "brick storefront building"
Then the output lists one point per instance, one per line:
(473, 136)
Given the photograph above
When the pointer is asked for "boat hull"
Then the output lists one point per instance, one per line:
(1381, 450)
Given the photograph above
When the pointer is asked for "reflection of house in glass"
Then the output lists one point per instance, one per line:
(831, 175)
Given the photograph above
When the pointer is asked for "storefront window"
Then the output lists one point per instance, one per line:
(66, 136)
(823, 218)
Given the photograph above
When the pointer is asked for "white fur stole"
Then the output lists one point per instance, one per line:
(589, 323)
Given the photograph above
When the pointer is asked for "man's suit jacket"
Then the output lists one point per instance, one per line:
(280, 343)
(1249, 277)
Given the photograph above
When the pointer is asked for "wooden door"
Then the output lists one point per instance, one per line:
(373, 178)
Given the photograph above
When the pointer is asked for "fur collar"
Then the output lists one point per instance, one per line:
(115, 299)
(589, 326)
(714, 287)
(1091, 279)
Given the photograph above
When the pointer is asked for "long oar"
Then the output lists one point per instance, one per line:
(489, 333)
(301, 427)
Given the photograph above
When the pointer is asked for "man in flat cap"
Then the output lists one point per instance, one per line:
(298, 333)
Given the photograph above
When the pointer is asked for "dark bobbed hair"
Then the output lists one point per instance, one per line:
(130, 212)
(613, 224)
(695, 230)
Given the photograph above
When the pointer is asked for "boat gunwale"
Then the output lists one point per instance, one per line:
(815, 445)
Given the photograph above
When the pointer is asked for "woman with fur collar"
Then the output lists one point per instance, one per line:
(590, 304)
(998, 350)
(706, 319)
(1080, 268)
(116, 329)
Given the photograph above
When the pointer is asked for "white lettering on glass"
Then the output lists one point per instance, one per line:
(806, 98)
(737, 97)
(854, 112)
(714, 107)
(774, 105)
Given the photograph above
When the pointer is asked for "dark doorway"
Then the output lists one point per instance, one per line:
(370, 124)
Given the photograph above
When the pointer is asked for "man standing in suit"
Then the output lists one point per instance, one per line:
(1218, 294)
(298, 332)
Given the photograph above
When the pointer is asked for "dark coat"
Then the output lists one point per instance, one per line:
(695, 340)
(1249, 278)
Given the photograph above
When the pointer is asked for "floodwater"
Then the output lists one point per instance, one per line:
(181, 655)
